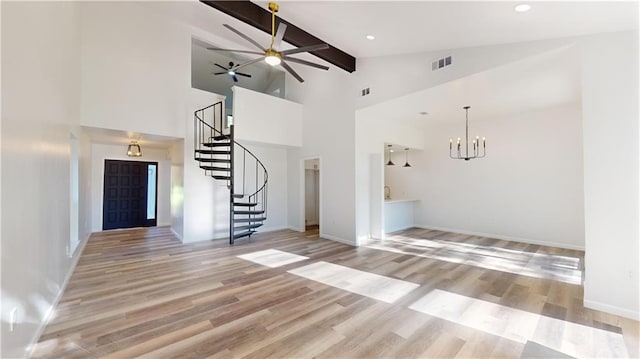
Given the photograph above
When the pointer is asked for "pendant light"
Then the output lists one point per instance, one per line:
(406, 164)
(133, 150)
(390, 150)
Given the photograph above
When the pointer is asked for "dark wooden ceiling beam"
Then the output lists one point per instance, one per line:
(260, 18)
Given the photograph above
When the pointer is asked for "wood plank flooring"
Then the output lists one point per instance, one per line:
(142, 293)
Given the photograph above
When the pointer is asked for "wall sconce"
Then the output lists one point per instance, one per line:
(406, 150)
(133, 150)
(390, 163)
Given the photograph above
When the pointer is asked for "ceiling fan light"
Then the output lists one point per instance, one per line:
(272, 60)
(231, 72)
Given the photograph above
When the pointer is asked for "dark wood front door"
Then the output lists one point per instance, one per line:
(125, 195)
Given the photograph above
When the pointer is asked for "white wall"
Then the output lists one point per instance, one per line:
(206, 200)
(176, 153)
(610, 122)
(85, 187)
(100, 152)
(136, 75)
(371, 136)
(275, 160)
(258, 117)
(40, 111)
(412, 72)
(328, 132)
(528, 188)
(376, 197)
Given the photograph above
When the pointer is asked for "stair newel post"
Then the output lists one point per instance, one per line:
(255, 196)
(231, 190)
(244, 171)
(195, 134)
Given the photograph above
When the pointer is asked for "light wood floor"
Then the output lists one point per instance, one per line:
(143, 293)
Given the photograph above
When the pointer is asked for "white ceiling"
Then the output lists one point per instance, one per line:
(117, 137)
(546, 80)
(415, 26)
(418, 26)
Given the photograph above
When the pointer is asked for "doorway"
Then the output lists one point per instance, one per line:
(130, 194)
(312, 194)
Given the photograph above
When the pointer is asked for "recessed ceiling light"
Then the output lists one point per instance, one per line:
(423, 113)
(522, 8)
(370, 37)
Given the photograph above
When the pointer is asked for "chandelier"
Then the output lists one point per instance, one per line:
(477, 151)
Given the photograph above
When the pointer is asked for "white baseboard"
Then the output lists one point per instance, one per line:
(402, 228)
(272, 229)
(176, 234)
(612, 309)
(63, 286)
(297, 229)
(499, 236)
(337, 239)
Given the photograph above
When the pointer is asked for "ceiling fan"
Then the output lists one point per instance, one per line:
(231, 71)
(272, 55)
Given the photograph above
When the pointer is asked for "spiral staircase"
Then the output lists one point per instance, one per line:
(224, 159)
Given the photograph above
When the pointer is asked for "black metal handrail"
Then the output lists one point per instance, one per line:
(205, 133)
(266, 173)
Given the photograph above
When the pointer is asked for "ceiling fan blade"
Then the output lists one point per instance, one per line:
(305, 49)
(245, 37)
(291, 71)
(222, 67)
(235, 78)
(219, 73)
(248, 63)
(282, 27)
(305, 62)
(240, 51)
(241, 74)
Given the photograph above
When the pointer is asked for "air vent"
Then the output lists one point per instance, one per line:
(440, 63)
(365, 91)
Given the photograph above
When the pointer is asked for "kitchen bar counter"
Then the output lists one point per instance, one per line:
(398, 214)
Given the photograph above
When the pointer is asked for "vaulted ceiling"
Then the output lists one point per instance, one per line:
(546, 80)
(418, 26)
(403, 27)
